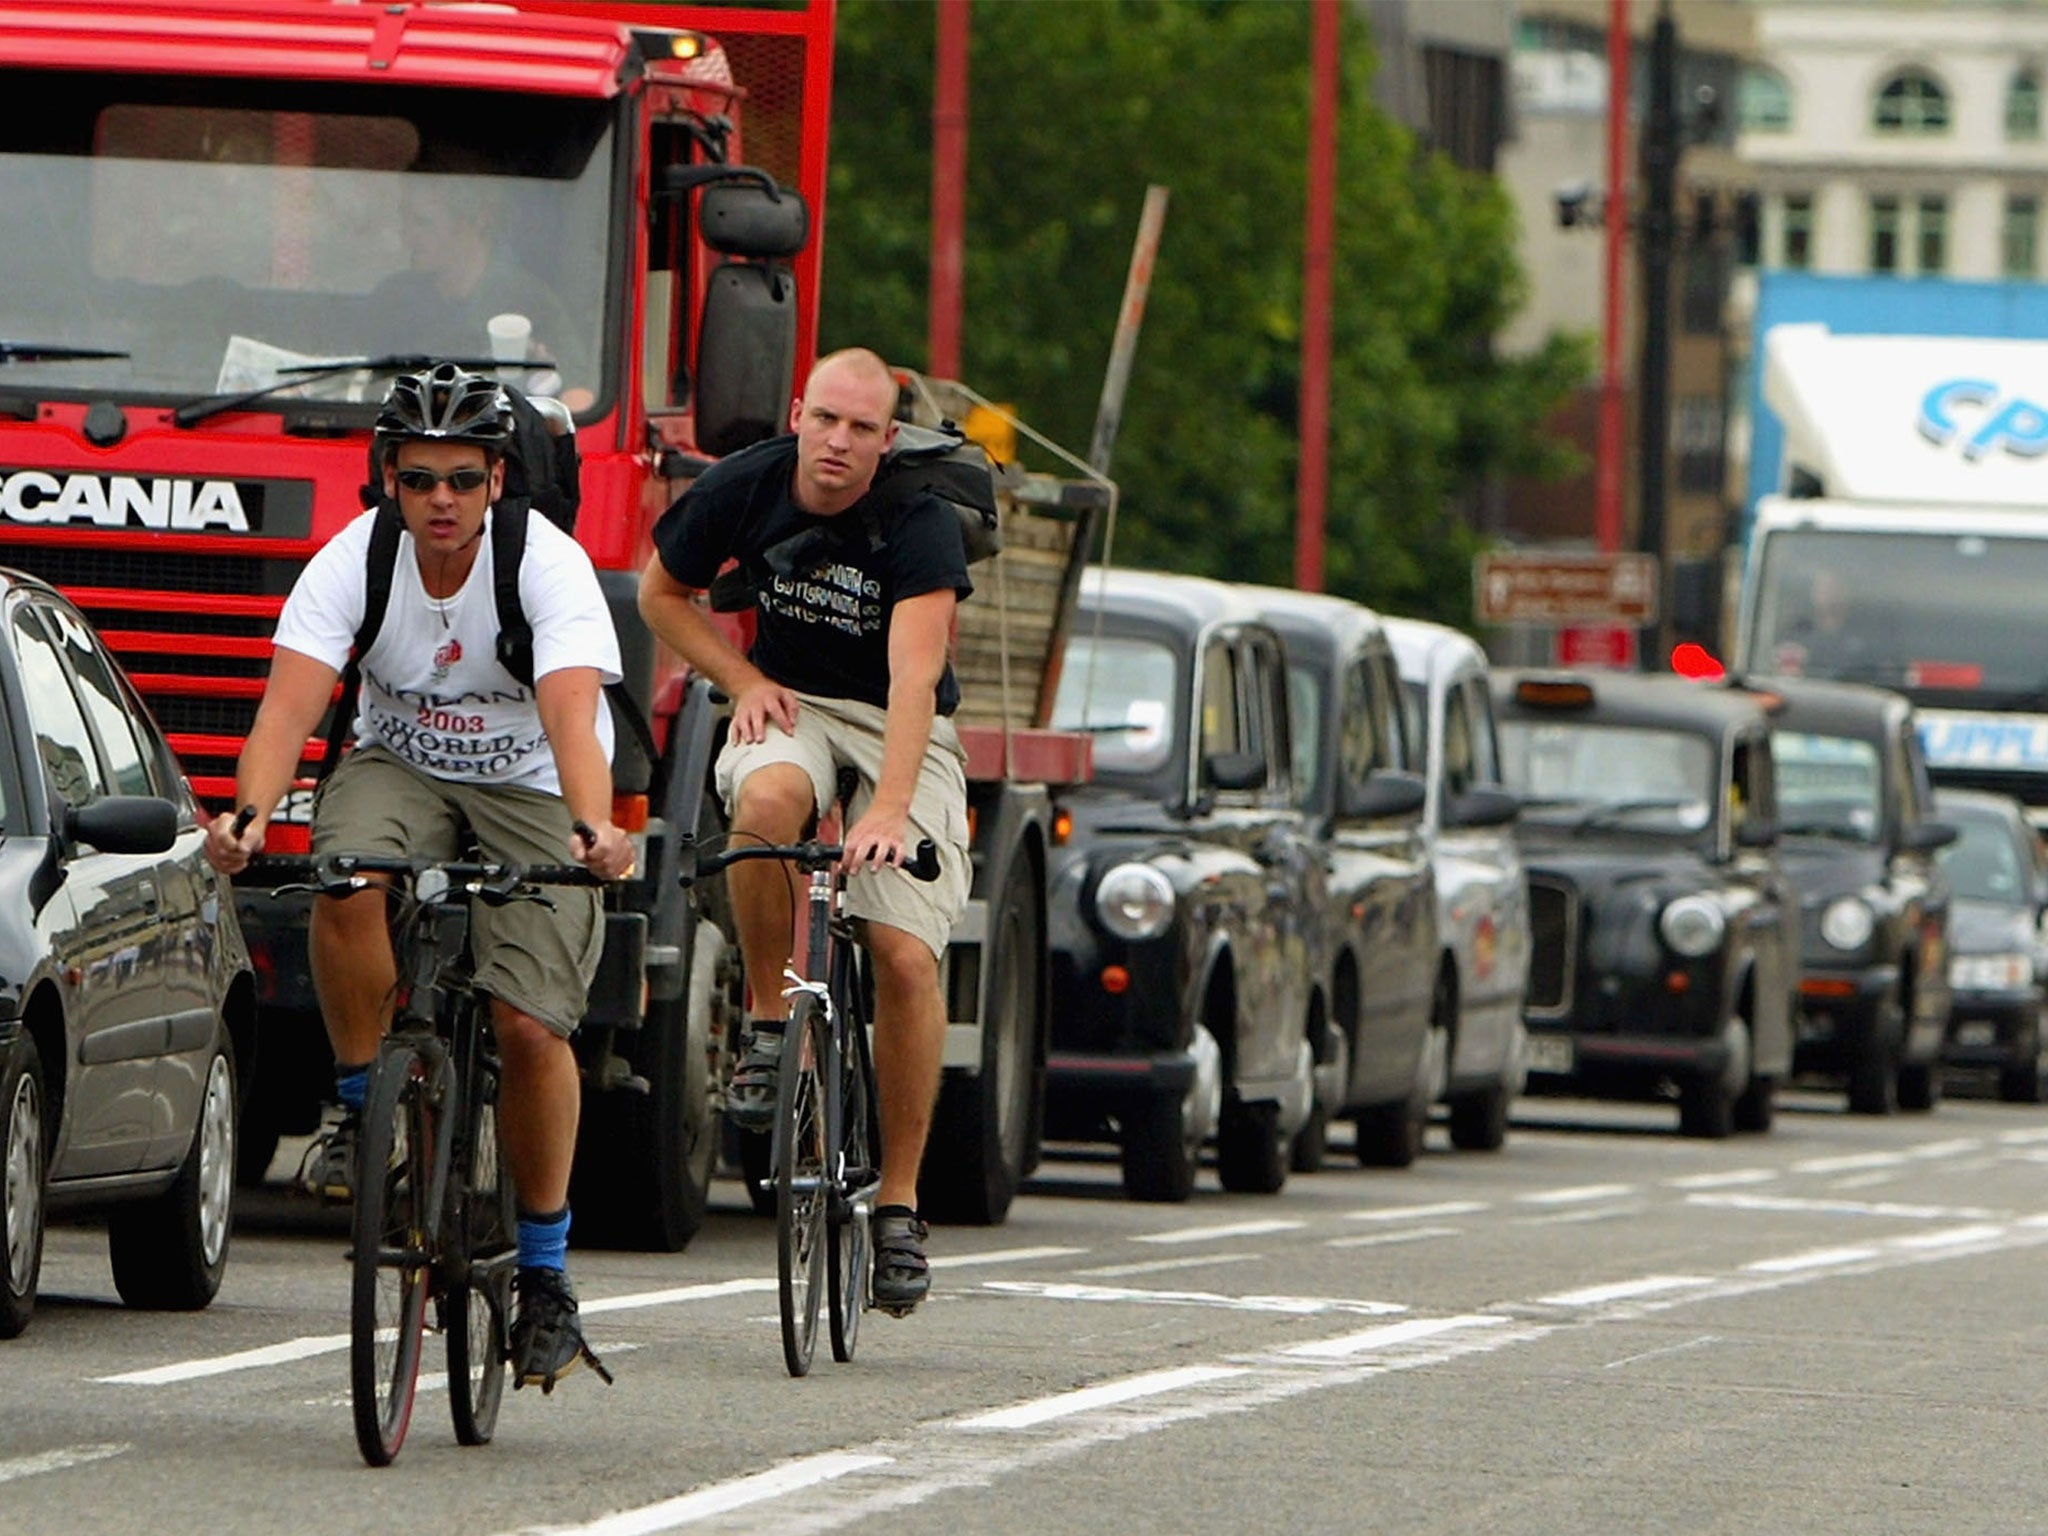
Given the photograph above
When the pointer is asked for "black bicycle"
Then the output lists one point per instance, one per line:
(825, 1148)
(434, 1215)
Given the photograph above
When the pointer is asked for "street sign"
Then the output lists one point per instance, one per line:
(1609, 646)
(1512, 587)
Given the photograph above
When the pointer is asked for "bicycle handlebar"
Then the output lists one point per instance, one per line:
(334, 872)
(809, 857)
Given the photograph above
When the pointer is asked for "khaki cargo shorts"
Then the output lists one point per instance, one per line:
(831, 733)
(538, 961)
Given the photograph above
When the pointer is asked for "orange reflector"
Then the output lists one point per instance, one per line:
(1678, 981)
(1116, 981)
(1826, 986)
(1062, 827)
(1554, 693)
(629, 813)
(973, 823)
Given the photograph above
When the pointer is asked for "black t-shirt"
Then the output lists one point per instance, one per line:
(823, 628)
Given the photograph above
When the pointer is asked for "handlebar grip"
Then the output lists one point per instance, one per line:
(924, 863)
(243, 817)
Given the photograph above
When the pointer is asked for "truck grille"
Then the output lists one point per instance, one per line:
(1553, 946)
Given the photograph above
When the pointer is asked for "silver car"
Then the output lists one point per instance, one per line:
(1481, 890)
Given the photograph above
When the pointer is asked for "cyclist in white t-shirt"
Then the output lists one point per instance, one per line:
(448, 744)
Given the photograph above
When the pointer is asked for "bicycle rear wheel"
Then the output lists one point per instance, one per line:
(390, 1250)
(853, 1194)
(800, 1180)
(479, 1295)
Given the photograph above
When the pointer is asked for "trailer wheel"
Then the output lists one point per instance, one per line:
(983, 1131)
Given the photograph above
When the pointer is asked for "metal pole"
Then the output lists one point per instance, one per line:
(1312, 468)
(1660, 249)
(1609, 454)
(1109, 414)
(949, 190)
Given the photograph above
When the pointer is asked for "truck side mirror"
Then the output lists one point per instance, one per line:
(1385, 792)
(1483, 805)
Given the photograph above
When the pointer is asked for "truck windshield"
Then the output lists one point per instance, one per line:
(1627, 776)
(220, 230)
(1828, 786)
(1121, 692)
(1930, 613)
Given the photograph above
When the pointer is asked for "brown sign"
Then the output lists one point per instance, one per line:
(1515, 588)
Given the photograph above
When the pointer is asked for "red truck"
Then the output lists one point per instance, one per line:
(228, 222)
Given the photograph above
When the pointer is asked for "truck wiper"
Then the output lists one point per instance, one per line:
(192, 412)
(1611, 808)
(45, 352)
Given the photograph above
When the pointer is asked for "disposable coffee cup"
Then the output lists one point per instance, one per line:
(511, 337)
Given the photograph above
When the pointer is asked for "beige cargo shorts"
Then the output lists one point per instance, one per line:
(539, 961)
(831, 733)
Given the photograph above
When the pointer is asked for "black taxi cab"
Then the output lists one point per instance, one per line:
(1664, 932)
(1183, 901)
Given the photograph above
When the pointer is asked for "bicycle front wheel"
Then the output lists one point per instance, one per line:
(391, 1249)
(854, 1193)
(479, 1297)
(801, 1166)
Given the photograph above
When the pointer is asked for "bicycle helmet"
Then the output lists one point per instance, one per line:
(447, 405)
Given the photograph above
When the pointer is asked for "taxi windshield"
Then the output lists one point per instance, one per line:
(1642, 778)
(1828, 786)
(218, 232)
(1120, 691)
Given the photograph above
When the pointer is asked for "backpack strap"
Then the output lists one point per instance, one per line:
(508, 548)
(381, 562)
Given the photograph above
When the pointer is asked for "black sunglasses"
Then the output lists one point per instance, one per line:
(468, 478)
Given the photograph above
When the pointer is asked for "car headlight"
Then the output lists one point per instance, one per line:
(1135, 902)
(1847, 923)
(1991, 973)
(1693, 926)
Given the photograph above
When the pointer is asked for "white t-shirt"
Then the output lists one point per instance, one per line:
(433, 691)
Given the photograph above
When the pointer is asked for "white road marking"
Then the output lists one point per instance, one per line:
(1062, 1405)
(1293, 1306)
(1849, 1161)
(2022, 1138)
(1228, 1229)
(1577, 1194)
(710, 1291)
(1398, 1235)
(1728, 1180)
(1813, 1258)
(56, 1461)
(1863, 1180)
(1000, 1256)
(1845, 1207)
(241, 1360)
(720, 1498)
(1951, 1237)
(1157, 1266)
(1418, 1212)
(1954, 1147)
(1668, 1349)
(1346, 1346)
(1622, 1290)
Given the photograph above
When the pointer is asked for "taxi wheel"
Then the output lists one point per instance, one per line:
(1874, 1070)
(1920, 1085)
(1706, 1109)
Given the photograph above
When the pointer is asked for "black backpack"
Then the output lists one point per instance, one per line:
(543, 473)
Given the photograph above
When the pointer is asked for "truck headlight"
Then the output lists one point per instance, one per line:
(1991, 973)
(1135, 902)
(1847, 923)
(1693, 926)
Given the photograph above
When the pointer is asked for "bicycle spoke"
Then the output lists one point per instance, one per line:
(391, 1248)
(801, 1182)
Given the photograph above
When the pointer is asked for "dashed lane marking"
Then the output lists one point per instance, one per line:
(1418, 1212)
(1623, 1290)
(56, 1461)
(240, 1360)
(1226, 1229)
(1159, 1266)
(1576, 1194)
(1891, 1208)
(1813, 1258)
(1850, 1161)
(1397, 1235)
(1065, 1404)
(1733, 1178)
(722, 1498)
(1000, 1256)
(1294, 1306)
(1345, 1346)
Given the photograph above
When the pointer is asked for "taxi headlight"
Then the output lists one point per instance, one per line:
(1693, 926)
(1135, 902)
(1847, 923)
(1991, 973)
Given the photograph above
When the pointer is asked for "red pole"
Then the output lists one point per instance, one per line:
(1312, 473)
(1608, 455)
(949, 190)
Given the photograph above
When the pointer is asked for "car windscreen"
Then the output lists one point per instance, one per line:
(1305, 687)
(1920, 611)
(1982, 864)
(1828, 786)
(1121, 691)
(218, 231)
(1586, 774)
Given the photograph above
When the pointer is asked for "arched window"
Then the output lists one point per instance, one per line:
(2023, 106)
(1766, 101)
(1911, 101)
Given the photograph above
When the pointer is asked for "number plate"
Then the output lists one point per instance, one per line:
(1550, 1053)
(1977, 1032)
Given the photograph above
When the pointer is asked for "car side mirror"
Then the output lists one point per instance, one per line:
(123, 824)
(1757, 832)
(1385, 792)
(1483, 805)
(1234, 770)
(1926, 836)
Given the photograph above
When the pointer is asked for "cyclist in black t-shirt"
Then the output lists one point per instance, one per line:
(848, 668)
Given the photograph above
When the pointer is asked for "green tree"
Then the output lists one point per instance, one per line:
(1074, 109)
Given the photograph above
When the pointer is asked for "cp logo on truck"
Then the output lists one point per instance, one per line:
(118, 501)
(2018, 426)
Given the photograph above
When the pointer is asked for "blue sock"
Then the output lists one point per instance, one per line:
(352, 1085)
(544, 1240)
